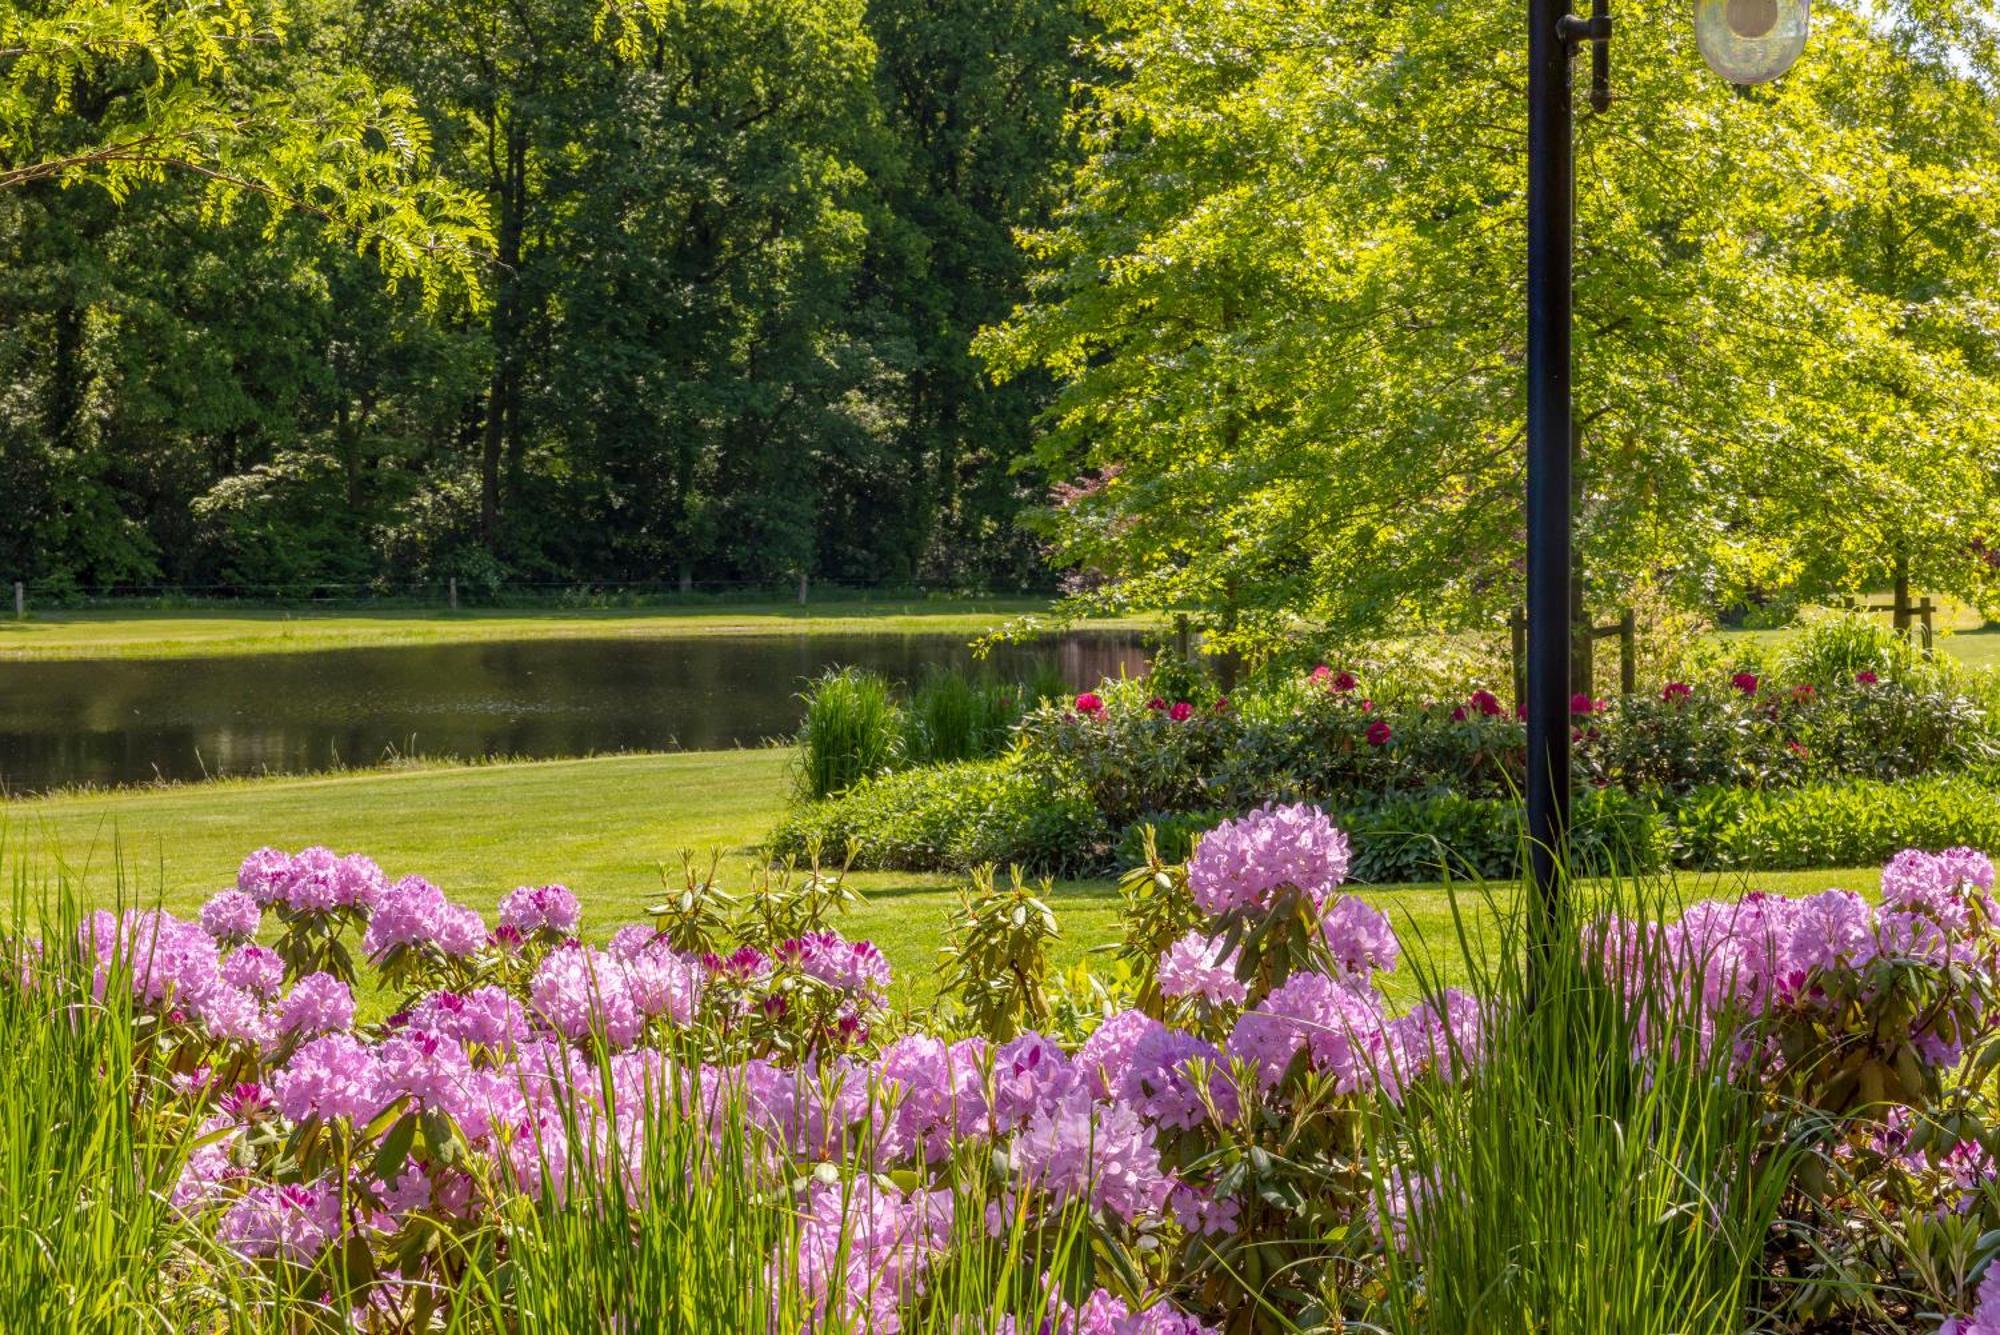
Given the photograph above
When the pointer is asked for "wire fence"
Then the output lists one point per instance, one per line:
(29, 596)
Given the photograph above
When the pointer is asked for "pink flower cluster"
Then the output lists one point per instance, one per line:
(313, 880)
(1769, 956)
(1243, 864)
(541, 908)
(1985, 1319)
(413, 912)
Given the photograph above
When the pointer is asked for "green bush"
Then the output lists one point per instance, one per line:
(1432, 836)
(1444, 835)
(853, 730)
(1174, 835)
(1854, 823)
(953, 818)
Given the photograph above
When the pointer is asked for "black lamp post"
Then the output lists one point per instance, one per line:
(1746, 41)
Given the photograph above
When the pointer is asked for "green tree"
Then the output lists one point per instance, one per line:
(121, 93)
(976, 95)
(1284, 301)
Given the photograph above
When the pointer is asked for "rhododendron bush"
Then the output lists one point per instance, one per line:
(1210, 1147)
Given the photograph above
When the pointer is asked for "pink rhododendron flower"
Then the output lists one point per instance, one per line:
(254, 969)
(1341, 1027)
(1360, 937)
(486, 1016)
(1079, 1149)
(1167, 1076)
(1107, 1053)
(294, 1223)
(1196, 966)
(535, 908)
(318, 1003)
(331, 1076)
(1243, 863)
(231, 917)
(413, 912)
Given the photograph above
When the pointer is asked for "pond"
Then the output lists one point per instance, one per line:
(124, 722)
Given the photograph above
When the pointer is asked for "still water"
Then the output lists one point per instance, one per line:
(113, 722)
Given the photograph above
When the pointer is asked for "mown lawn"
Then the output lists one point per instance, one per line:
(601, 826)
(144, 634)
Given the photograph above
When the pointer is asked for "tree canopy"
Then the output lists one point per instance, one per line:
(1283, 299)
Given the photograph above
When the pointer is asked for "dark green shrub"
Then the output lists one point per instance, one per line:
(1174, 834)
(1854, 823)
(1444, 835)
(952, 817)
(853, 730)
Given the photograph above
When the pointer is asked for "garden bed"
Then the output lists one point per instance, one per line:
(716, 1121)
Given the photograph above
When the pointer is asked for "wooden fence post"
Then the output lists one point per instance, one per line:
(20, 601)
(802, 588)
(451, 592)
(1628, 652)
(1924, 610)
(1517, 628)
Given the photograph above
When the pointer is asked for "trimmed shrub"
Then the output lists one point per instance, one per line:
(952, 818)
(1834, 824)
(1444, 835)
(853, 730)
(1440, 835)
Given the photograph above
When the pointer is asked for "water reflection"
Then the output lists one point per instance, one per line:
(117, 722)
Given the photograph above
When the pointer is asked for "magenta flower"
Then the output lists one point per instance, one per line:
(1865, 678)
(1745, 682)
(1181, 712)
(1486, 703)
(1089, 703)
(1581, 703)
(1156, 705)
(1379, 733)
(295, 1223)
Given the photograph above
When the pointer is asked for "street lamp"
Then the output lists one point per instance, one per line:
(1751, 41)
(1745, 41)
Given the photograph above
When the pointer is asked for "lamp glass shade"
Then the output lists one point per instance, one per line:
(1751, 41)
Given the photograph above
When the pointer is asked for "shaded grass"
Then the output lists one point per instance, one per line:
(193, 634)
(603, 827)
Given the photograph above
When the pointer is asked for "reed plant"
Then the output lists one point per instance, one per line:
(954, 716)
(853, 730)
(88, 1239)
(1609, 1168)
